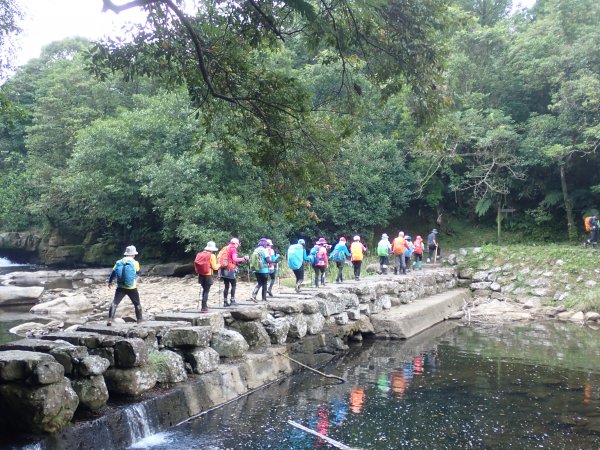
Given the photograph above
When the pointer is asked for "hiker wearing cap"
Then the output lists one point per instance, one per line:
(204, 264)
(408, 251)
(398, 247)
(273, 259)
(295, 259)
(384, 249)
(259, 264)
(433, 245)
(338, 255)
(418, 253)
(320, 260)
(125, 272)
(228, 269)
(357, 250)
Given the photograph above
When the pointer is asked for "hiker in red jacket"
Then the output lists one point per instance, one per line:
(204, 264)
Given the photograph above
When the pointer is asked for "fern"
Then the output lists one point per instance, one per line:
(483, 206)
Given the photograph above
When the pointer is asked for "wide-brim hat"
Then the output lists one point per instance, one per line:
(322, 241)
(301, 241)
(130, 251)
(356, 238)
(384, 236)
(211, 247)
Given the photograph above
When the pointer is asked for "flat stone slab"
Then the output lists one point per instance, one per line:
(405, 321)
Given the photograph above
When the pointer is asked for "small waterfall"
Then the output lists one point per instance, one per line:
(138, 422)
(5, 262)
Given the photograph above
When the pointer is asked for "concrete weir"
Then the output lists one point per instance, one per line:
(184, 363)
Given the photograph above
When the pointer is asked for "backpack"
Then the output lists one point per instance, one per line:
(202, 263)
(222, 259)
(257, 260)
(315, 257)
(588, 224)
(382, 247)
(399, 246)
(125, 270)
(338, 255)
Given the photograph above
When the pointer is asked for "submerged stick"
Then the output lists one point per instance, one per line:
(327, 439)
(314, 370)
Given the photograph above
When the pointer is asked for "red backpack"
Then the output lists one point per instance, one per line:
(223, 259)
(588, 226)
(202, 263)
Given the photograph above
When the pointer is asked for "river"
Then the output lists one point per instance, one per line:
(452, 387)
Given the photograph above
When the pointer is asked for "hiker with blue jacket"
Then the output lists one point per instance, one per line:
(295, 257)
(125, 271)
(338, 255)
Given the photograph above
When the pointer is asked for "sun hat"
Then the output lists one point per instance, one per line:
(357, 238)
(269, 242)
(322, 241)
(211, 247)
(342, 239)
(130, 251)
(419, 238)
(234, 241)
(434, 230)
(263, 242)
(301, 241)
(408, 238)
(384, 236)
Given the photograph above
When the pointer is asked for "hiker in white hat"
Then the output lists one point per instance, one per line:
(125, 271)
(204, 264)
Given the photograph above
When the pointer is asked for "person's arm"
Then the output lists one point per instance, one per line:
(234, 257)
(305, 256)
(113, 275)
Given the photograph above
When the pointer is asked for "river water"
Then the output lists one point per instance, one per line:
(452, 387)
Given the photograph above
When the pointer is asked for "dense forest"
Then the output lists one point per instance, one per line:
(307, 118)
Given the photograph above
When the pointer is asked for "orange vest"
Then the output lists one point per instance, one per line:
(357, 251)
(398, 246)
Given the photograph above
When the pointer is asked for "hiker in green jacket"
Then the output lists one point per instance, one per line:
(384, 248)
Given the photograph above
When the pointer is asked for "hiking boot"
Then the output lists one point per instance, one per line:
(225, 304)
(232, 302)
(109, 323)
(254, 299)
(270, 293)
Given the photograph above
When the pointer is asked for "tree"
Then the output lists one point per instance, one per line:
(10, 14)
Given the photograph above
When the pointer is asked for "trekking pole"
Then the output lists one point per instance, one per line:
(435, 254)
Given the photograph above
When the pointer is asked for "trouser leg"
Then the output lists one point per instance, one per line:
(340, 274)
(263, 279)
(316, 277)
(226, 284)
(119, 295)
(206, 283)
(134, 296)
(233, 285)
(271, 283)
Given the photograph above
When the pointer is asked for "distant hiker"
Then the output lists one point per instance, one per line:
(408, 251)
(228, 260)
(384, 248)
(272, 258)
(259, 265)
(295, 258)
(204, 264)
(320, 260)
(433, 245)
(357, 249)
(591, 226)
(125, 271)
(398, 247)
(418, 253)
(338, 255)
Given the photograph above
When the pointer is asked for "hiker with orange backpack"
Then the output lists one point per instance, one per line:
(418, 253)
(357, 250)
(204, 264)
(398, 247)
(228, 260)
(591, 226)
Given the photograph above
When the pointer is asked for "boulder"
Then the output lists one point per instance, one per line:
(15, 295)
(133, 381)
(186, 337)
(92, 365)
(130, 353)
(229, 344)
(341, 319)
(169, 366)
(481, 285)
(202, 360)
(72, 304)
(277, 329)
(35, 367)
(255, 334)
(92, 392)
(310, 306)
(314, 323)
(287, 307)
(298, 325)
(37, 409)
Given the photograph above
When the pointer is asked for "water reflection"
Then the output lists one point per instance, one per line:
(448, 389)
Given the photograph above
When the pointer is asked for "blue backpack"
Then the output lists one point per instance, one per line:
(338, 255)
(314, 256)
(125, 270)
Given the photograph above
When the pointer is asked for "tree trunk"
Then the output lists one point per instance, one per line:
(571, 229)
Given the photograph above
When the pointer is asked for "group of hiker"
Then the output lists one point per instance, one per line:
(264, 260)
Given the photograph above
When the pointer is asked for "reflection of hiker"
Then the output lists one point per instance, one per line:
(357, 399)
(228, 260)
(296, 257)
(398, 247)
(338, 255)
(204, 264)
(591, 226)
(125, 271)
(433, 245)
(320, 261)
(418, 253)
(259, 264)
(384, 249)
(357, 249)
